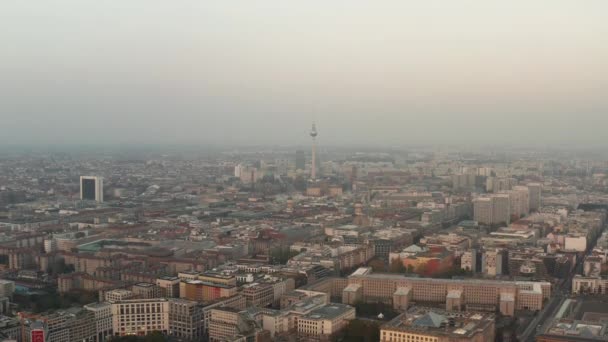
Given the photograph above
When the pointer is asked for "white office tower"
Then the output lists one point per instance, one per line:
(535, 196)
(91, 188)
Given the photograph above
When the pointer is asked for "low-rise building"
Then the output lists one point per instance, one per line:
(140, 316)
(420, 324)
(325, 321)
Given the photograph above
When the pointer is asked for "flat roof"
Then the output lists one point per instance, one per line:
(448, 281)
(328, 311)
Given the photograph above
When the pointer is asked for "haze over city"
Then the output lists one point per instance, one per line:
(244, 72)
(303, 171)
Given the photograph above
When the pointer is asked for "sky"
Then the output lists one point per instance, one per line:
(259, 72)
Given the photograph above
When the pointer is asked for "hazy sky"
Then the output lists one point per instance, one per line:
(257, 71)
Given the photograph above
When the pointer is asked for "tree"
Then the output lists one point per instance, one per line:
(396, 266)
(281, 254)
(359, 331)
(377, 265)
(155, 336)
(422, 269)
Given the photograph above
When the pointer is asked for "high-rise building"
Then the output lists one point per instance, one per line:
(498, 184)
(482, 210)
(300, 160)
(520, 201)
(91, 188)
(492, 209)
(535, 190)
(501, 209)
(463, 181)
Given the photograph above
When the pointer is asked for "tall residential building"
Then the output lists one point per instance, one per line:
(463, 181)
(91, 188)
(535, 190)
(300, 160)
(493, 209)
(520, 201)
(482, 210)
(498, 184)
(501, 208)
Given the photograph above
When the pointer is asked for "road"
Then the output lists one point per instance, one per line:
(561, 293)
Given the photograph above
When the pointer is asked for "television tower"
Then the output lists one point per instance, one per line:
(313, 134)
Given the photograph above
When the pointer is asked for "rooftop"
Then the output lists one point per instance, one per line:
(329, 311)
(441, 322)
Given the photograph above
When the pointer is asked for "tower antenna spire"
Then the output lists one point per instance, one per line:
(313, 135)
